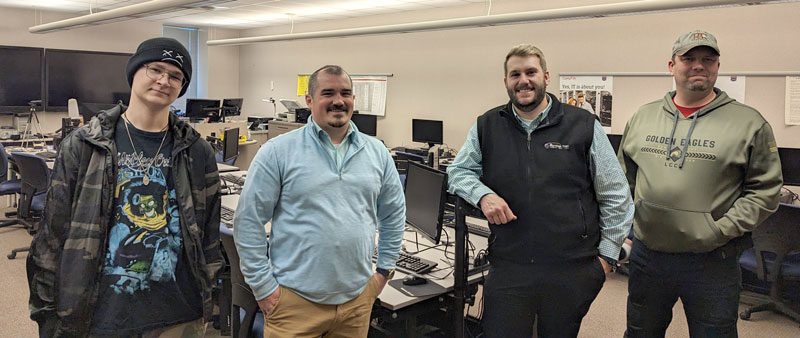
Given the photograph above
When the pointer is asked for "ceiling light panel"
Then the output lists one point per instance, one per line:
(55, 5)
(264, 11)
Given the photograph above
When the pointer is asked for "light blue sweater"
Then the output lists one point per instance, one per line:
(324, 215)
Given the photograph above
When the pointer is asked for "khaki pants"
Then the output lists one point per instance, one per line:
(294, 316)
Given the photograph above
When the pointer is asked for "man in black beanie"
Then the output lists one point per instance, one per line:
(128, 243)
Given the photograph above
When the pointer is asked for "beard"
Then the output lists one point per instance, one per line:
(539, 93)
(337, 124)
(701, 86)
(340, 109)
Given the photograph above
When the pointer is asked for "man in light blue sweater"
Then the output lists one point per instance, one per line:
(326, 188)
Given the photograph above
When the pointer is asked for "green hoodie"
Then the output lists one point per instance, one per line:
(696, 196)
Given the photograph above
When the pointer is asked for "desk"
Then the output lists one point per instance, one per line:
(247, 150)
(223, 168)
(404, 312)
(10, 142)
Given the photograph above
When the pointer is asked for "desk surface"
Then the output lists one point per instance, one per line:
(10, 141)
(442, 275)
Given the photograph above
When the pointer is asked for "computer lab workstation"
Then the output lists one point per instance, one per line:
(434, 271)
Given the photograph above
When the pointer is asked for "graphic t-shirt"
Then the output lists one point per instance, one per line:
(146, 283)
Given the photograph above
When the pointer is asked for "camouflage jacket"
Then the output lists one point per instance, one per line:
(67, 254)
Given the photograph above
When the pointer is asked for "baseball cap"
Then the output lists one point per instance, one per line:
(695, 38)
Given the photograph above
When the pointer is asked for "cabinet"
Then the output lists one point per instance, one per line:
(280, 127)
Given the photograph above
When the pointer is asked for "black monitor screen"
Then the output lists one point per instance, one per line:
(790, 165)
(21, 77)
(88, 77)
(200, 108)
(231, 144)
(367, 124)
(615, 141)
(232, 107)
(425, 199)
(426, 131)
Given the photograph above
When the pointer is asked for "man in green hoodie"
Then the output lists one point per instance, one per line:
(704, 172)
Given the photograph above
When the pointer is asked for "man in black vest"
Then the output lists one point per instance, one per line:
(546, 177)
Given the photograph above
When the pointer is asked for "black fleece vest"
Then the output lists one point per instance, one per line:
(546, 180)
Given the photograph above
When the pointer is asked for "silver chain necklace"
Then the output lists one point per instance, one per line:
(146, 178)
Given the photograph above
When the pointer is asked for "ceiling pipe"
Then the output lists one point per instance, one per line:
(123, 13)
(631, 7)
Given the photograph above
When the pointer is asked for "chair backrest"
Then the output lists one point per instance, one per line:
(218, 157)
(33, 170)
(409, 157)
(241, 295)
(779, 234)
(35, 178)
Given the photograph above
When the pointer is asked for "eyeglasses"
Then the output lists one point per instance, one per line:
(156, 73)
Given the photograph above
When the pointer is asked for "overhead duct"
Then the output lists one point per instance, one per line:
(123, 13)
(591, 11)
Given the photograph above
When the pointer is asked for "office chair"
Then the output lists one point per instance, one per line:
(409, 157)
(35, 180)
(7, 187)
(248, 321)
(223, 293)
(218, 157)
(401, 165)
(775, 258)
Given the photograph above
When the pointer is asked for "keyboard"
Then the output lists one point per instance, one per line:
(226, 216)
(235, 179)
(410, 264)
(449, 221)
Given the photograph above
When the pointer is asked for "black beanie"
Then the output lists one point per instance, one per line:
(165, 50)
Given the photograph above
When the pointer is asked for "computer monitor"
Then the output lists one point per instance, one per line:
(231, 107)
(790, 165)
(615, 141)
(199, 109)
(230, 147)
(21, 77)
(367, 124)
(426, 131)
(426, 195)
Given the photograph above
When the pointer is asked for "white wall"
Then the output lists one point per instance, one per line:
(455, 75)
(223, 65)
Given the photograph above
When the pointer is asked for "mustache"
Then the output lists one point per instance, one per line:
(337, 107)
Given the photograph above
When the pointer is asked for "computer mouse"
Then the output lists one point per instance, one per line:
(414, 280)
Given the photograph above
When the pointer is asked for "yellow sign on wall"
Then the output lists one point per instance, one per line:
(302, 84)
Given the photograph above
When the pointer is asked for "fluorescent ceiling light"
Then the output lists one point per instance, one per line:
(566, 13)
(139, 10)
